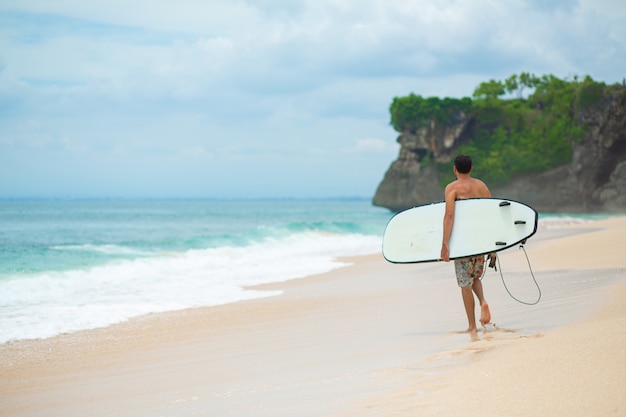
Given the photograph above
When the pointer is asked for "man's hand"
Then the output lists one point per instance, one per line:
(445, 252)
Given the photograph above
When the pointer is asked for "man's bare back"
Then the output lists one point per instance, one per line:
(464, 187)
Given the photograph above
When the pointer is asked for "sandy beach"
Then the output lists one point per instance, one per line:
(370, 339)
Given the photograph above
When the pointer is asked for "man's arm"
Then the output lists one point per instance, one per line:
(448, 223)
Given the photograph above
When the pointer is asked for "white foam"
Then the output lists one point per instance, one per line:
(549, 223)
(48, 304)
(107, 249)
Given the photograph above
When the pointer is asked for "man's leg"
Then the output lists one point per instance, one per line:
(485, 314)
(468, 302)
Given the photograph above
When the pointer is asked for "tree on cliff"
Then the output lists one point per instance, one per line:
(413, 111)
(490, 90)
(516, 85)
(511, 136)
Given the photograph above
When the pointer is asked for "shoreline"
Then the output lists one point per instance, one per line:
(574, 370)
(548, 231)
(361, 339)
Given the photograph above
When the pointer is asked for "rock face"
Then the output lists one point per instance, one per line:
(595, 180)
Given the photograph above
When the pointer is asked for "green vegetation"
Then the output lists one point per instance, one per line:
(514, 135)
(413, 111)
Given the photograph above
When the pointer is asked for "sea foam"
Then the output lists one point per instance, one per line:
(54, 302)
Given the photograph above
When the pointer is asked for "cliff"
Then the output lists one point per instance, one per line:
(593, 181)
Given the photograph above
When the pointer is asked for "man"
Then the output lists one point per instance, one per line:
(468, 270)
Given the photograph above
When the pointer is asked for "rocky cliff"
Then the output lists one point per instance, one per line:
(594, 180)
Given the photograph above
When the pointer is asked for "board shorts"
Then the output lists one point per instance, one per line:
(469, 269)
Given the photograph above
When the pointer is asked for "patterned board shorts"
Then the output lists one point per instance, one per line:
(469, 269)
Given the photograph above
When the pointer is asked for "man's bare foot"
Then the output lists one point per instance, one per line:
(473, 332)
(485, 314)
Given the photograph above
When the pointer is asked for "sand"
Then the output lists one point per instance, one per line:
(371, 339)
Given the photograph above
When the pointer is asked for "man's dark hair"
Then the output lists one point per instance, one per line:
(463, 164)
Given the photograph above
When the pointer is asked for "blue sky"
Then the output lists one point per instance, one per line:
(257, 98)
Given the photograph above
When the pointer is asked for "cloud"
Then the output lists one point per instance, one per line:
(280, 91)
(372, 145)
(284, 49)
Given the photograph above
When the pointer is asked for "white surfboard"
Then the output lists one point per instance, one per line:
(481, 226)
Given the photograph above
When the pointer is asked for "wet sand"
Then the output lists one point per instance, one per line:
(371, 339)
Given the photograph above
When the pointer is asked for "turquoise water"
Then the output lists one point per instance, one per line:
(58, 235)
(72, 265)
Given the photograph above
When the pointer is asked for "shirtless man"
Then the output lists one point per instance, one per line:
(468, 270)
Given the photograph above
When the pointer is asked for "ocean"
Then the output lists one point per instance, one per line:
(69, 265)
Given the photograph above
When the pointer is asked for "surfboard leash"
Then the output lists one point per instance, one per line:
(492, 264)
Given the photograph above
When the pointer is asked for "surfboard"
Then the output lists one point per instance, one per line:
(481, 226)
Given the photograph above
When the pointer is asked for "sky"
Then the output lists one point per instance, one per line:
(257, 98)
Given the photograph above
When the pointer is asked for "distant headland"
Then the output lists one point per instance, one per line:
(556, 144)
